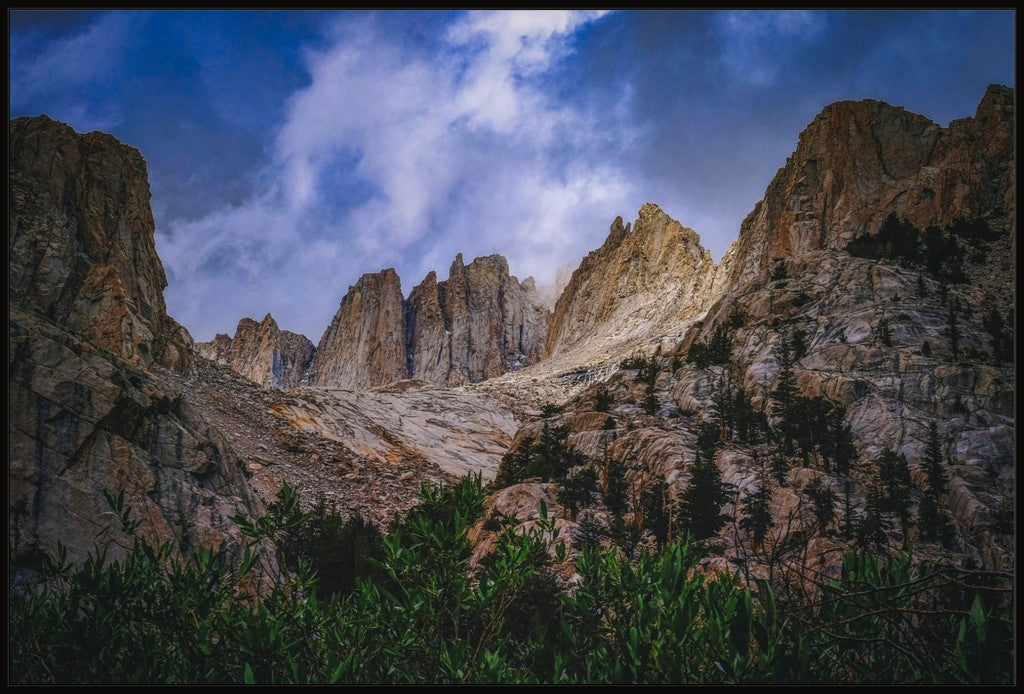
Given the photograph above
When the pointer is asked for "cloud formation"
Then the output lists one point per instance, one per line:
(458, 151)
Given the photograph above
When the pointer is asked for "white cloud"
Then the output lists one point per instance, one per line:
(461, 152)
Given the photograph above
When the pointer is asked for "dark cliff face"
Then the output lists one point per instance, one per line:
(80, 236)
(90, 409)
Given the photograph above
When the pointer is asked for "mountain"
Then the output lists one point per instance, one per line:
(262, 352)
(93, 359)
(479, 323)
(867, 300)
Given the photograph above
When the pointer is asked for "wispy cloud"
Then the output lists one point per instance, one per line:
(752, 40)
(460, 150)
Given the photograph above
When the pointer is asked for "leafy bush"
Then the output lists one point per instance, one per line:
(155, 618)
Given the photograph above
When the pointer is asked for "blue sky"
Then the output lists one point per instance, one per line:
(291, 152)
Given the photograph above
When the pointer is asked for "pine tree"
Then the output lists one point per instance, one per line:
(933, 467)
(823, 499)
(701, 503)
(591, 531)
(953, 331)
(615, 488)
(757, 512)
(894, 477)
(783, 401)
(933, 522)
(515, 464)
(656, 508)
(576, 490)
(873, 527)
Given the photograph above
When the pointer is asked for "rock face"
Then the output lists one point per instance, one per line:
(638, 283)
(860, 160)
(262, 352)
(364, 346)
(892, 348)
(80, 235)
(92, 409)
(479, 323)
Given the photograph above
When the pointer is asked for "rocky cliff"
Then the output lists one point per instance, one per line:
(479, 323)
(262, 352)
(858, 161)
(80, 238)
(878, 343)
(92, 408)
(364, 346)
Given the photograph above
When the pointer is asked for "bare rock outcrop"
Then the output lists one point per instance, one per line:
(364, 346)
(91, 408)
(638, 283)
(262, 352)
(858, 161)
(479, 323)
(80, 238)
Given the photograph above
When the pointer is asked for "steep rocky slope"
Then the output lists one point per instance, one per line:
(262, 352)
(92, 408)
(884, 344)
(80, 238)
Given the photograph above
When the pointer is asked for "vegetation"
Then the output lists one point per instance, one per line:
(940, 251)
(427, 617)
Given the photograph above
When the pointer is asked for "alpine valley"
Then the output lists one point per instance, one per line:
(841, 382)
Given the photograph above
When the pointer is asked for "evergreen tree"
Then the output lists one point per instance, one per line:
(576, 490)
(1000, 335)
(656, 509)
(614, 494)
(933, 465)
(873, 527)
(884, 335)
(933, 522)
(953, 331)
(894, 477)
(823, 499)
(515, 464)
(757, 512)
(798, 344)
(783, 400)
(701, 503)
(603, 400)
(591, 531)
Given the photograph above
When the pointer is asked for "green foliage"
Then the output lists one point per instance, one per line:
(933, 465)
(953, 330)
(823, 500)
(549, 410)
(609, 424)
(926, 349)
(603, 400)
(1000, 334)
(779, 270)
(798, 343)
(701, 502)
(718, 350)
(757, 512)
(548, 457)
(884, 336)
(933, 522)
(340, 551)
(614, 495)
(656, 506)
(591, 531)
(939, 251)
(154, 618)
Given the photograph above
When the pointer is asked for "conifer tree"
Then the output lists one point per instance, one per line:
(873, 527)
(576, 490)
(701, 503)
(933, 466)
(823, 499)
(757, 511)
(933, 522)
(614, 494)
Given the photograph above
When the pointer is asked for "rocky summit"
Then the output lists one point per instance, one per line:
(262, 352)
(849, 361)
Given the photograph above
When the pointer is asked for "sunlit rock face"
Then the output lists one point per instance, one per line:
(479, 323)
(878, 337)
(364, 346)
(858, 161)
(263, 353)
(95, 362)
